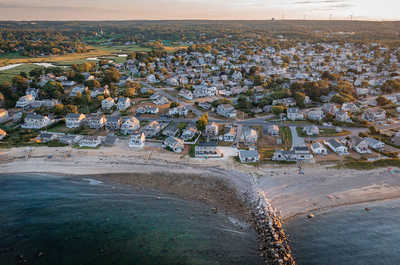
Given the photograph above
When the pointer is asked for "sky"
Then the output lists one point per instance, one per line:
(198, 9)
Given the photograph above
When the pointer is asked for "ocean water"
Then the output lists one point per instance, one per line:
(348, 236)
(54, 220)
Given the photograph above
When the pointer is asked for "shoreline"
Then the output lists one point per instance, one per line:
(321, 187)
(225, 186)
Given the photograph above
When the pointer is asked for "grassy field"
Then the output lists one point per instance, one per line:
(7, 75)
(286, 135)
(326, 132)
(76, 58)
(364, 165)
(69, 59)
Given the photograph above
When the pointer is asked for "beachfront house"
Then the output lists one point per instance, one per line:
(249, 156)
(173, 143)
(137, 140)
(359, 145)
(207, 150)
(89, 141)
(74, 120)
(318, 149)
(336, 146)
(375, 144)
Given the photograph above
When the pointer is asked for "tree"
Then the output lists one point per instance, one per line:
(52, 89)
(111, 75)
(300, 98)
(278, 110)
(58, 109)
(20, 83)
(36, 72)
(1, 99)
(92, 84)
(173, 105)
(382, 101)
(130, 92)
(202, 122)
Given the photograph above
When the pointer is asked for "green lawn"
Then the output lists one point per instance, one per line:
(124, 48)
(364, 165)
(286, 135)
(7, 75)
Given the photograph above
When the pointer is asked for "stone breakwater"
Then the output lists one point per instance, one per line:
(273, 242)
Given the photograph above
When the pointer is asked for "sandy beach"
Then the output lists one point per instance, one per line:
(217, 182)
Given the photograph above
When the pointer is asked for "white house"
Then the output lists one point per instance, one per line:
(318, 149)
(212, 129)
(123, 103)
(174, 144)
(294, 114)
(315, 115)
(336, 146)
(25, 101)
(374, 114)
(249, 156)
(90, 141)
(207, 150)
(73, 120)
(187, 94)
(375, 144)
(35, 121)
(226, 110)
(107, 103)
(230, 133)
(137, 140)
(130, 125)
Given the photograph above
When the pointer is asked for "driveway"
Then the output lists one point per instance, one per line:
(296, 139)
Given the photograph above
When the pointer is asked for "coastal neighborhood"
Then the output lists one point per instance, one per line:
(224, 132)
(309, 102)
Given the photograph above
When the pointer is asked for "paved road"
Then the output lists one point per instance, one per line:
(296, 139)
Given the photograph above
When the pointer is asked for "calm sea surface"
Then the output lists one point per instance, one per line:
(349, 236)
(53, 220)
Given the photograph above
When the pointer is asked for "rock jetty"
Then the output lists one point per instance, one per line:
(273, 242)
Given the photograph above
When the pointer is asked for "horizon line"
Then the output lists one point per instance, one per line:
(200, 19)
